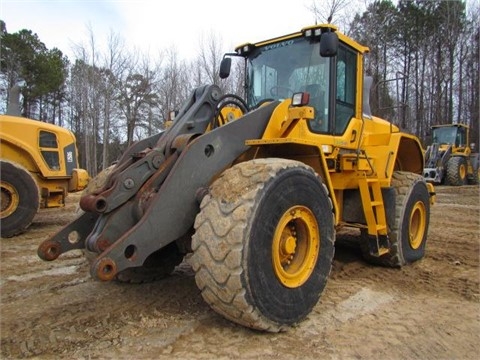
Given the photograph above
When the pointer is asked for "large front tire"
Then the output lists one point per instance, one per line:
(263, 245)
(19, 199)
(408, 233)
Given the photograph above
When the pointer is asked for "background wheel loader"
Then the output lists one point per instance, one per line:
(38, 167)
(449, 160)
(257, 197)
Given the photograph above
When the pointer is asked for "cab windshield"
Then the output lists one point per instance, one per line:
(449, 135)
(276, 71)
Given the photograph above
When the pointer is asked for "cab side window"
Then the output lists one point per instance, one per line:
(49, 149)
(346, 84)
(461, 139)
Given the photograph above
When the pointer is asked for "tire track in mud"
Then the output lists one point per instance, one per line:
(88, 317)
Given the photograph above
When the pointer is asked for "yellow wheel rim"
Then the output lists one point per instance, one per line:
(9, 199)
(417, 225)
(296, 245)
(462, 172)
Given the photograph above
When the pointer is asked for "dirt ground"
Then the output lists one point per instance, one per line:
(428, 310)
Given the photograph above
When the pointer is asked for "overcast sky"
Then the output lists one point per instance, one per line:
(153, 25)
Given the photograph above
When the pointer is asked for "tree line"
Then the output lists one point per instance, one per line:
(432, 49)
(424, 58)
(109, 96)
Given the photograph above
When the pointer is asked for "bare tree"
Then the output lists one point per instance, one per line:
(331, 11)
(174, 82)
(87, 99)
(470, 112)
(137, 96)
(94, 96)
(115, 63)
(210, 57)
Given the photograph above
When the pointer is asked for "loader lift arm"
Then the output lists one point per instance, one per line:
(436, 162)
(150, 198)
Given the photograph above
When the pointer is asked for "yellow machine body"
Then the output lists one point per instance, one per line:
(47, 153)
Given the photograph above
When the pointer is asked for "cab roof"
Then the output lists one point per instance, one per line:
(322, 27)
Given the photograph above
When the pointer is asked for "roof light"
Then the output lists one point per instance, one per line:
(300, 99)
(312, 32)
(245, 49)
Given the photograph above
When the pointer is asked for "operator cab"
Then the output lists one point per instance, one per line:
(455, 135)
(278, 68)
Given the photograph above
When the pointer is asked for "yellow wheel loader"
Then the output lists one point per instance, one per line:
(256, 188)
(38, 167)
(449, 160)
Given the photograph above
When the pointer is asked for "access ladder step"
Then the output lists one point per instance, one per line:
(373, 206)
(382, 251)
(378, 245)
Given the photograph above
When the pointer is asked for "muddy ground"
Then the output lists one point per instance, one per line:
(428, 310)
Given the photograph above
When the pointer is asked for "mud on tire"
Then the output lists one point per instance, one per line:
(263, 245)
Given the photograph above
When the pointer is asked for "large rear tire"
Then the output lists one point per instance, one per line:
(19, 199)
(456, 171)
(263, 245)
(408, 234)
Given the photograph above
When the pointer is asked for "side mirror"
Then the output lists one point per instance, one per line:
(225, 66)
(328, 44)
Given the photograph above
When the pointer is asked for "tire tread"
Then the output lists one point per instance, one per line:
(217, 243)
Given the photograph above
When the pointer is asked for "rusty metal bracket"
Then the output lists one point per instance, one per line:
(71, 237)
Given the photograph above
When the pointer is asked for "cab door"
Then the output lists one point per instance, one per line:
(347, 123)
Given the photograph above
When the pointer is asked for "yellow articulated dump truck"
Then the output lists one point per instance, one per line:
(38, 167)
(253, 188)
